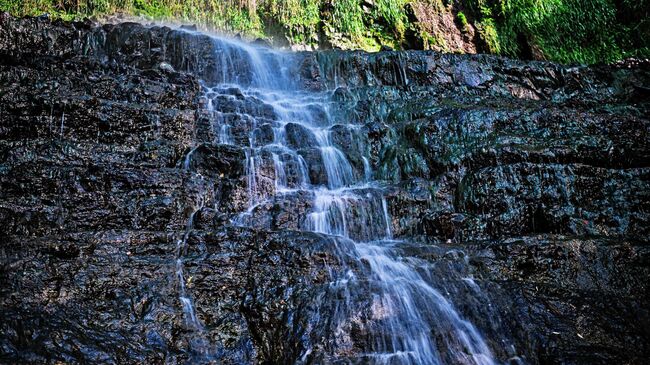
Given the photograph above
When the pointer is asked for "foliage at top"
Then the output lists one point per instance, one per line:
(585, 31)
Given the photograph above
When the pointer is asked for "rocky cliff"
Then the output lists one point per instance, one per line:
(522, 189)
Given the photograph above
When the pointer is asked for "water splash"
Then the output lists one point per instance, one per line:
(410, 310)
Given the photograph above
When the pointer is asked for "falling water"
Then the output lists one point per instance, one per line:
(188, 158)
(200, 347)
(367, 170)
(413, 322)
(62, 123)
(186, 301)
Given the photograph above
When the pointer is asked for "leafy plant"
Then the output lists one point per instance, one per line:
(347, 18)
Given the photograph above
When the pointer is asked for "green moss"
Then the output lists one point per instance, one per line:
(434, 42)
(566, 31)
(462, 19)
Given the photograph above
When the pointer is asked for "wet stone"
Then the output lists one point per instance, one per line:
(298, 136)
(315, 168)
(453, 207)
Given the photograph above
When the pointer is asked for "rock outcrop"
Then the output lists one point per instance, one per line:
(521, 188)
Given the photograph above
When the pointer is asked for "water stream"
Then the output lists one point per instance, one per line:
(292, 145)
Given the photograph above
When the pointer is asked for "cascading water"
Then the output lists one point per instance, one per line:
(290, 147)
(200, 347)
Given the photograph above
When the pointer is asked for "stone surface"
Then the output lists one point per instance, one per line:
(522, 187)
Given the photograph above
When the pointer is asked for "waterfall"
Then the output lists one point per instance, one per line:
(413, 323)
(200, 347)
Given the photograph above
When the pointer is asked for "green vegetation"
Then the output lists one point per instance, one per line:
(298, 19)
(389, 20)
(586, 31)
(462, 19)
(488, 33)
(228, 15)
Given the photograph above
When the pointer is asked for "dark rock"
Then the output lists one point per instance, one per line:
(192, 27)
(314, 160)
(517, 189)
(351, 143)
(264, 134)
(299, 137)
(262, 43)
(217, 160)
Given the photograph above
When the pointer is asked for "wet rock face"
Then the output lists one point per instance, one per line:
(84, 146)
(90, 280)
(551, 299)
(518, 189)
(481, 148)
(577, 284)
(503, 148)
